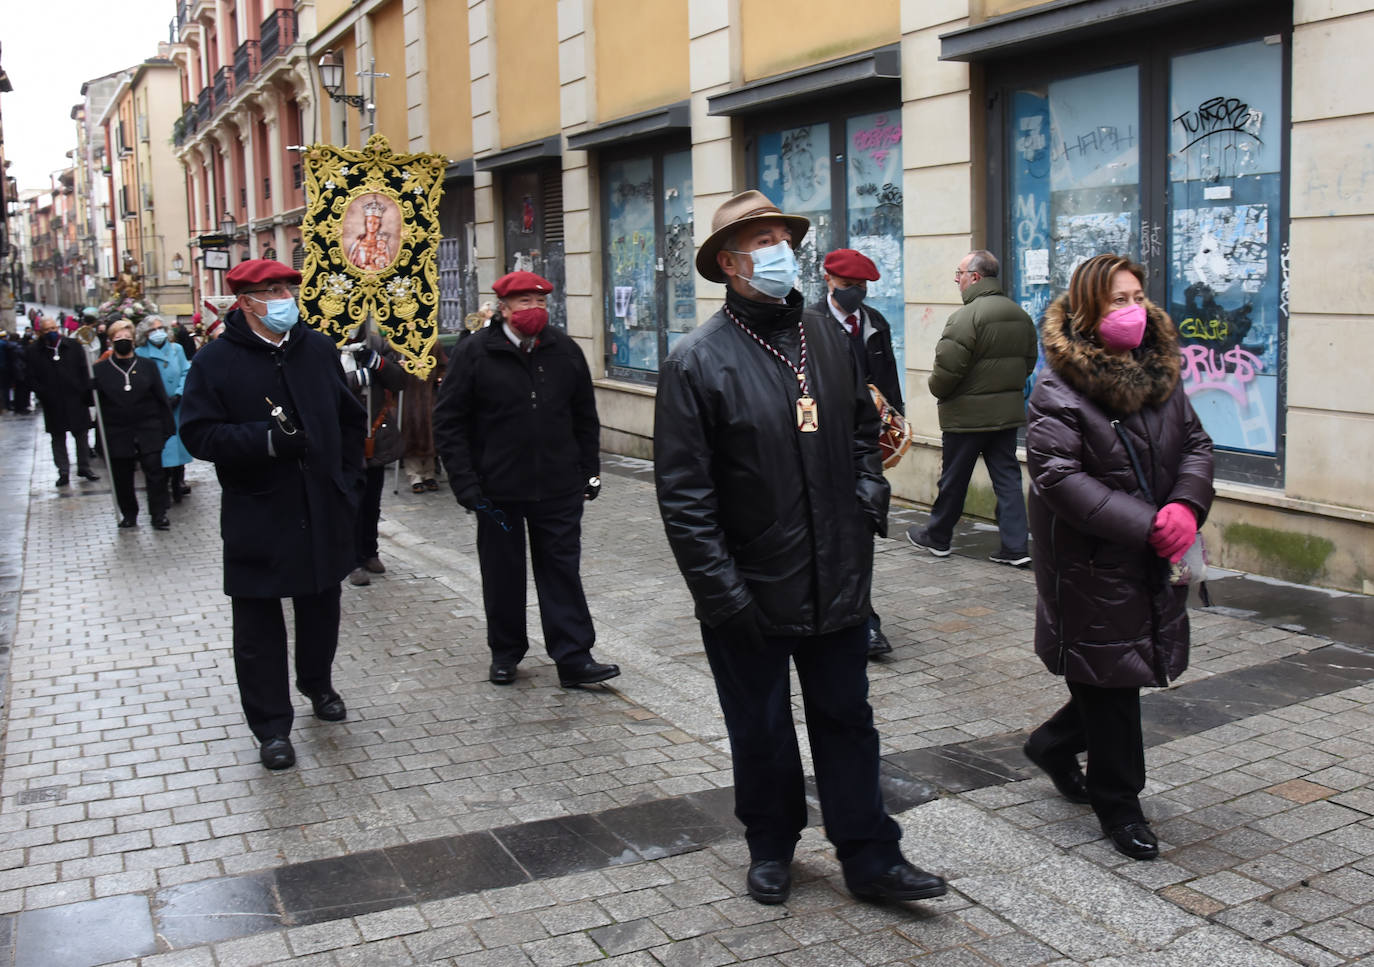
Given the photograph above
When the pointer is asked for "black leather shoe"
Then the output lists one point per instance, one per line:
(329, 707)
(501, 674)
(902, 882)
(1067, 778)
(1136, 840)
(878, 643)
(127, 522)
(276, 753)
(769, 881)
(62, 481)
(88, 474)
(162, 523)
(588, 673)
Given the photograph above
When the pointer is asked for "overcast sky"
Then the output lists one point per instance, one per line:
(48, 48)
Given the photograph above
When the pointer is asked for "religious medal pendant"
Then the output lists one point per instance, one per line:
(806, 415)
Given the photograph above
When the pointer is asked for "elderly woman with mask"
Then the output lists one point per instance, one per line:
(1121, 479)
(137, 422)
(153, 343)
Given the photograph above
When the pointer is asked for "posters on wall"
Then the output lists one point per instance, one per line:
(630, 252)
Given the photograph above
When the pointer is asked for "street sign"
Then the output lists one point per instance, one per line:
(214, 241)
(216, 258)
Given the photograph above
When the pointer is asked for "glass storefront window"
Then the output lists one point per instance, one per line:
(1075, 180)
(874, 212)
(648, 234)
(1225, 107)
(794, 172)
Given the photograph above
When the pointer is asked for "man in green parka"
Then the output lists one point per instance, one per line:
(982, 360)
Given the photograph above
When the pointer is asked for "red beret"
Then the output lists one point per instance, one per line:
(849, 264)
(260, 272)
(515, 282)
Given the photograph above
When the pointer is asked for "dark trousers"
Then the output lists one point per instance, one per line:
(260, 656)
(961, 453)
(1105, 723)
(770, 794)
(555, 543)
(369, 512)
(122, 476)
(59, 452)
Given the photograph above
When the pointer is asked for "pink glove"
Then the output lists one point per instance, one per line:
(1174, 530)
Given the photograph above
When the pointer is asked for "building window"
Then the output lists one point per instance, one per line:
(532, 215)
(1178, 162)
(844, 173)
(650, 290)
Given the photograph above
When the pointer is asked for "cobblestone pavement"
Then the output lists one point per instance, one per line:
(451, 822)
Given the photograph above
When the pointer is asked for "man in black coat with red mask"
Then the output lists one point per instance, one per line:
(516, 426)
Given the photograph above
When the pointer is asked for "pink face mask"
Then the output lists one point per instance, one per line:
(1122, 329)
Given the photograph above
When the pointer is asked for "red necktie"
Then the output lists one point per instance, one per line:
(852, 324)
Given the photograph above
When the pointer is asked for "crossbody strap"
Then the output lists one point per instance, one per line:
(1135, 463)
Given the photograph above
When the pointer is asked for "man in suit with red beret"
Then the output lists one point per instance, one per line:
(516, 426)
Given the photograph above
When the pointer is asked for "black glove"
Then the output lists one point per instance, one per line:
(471, 500)
(744, 628)
(289, 445)
(368, 359)
(593, 488)
(174, 401)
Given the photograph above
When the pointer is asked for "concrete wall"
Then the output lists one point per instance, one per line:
(388, 46)
(526, 69)
(448, 93)
(641, 55)
(777, 37)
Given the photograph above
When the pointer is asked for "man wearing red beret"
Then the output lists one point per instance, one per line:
(268, 404)
(847, 274)
(516, 426)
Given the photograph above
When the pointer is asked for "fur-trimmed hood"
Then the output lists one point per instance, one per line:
(1121, 382)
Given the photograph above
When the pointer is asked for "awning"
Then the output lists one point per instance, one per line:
(541, 150)
(636, 127)
(872, 67)
(1063, 22)
(459, 169)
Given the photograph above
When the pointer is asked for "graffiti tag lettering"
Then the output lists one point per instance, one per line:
(1217, 115)
(1211, 330)
(1230, 371)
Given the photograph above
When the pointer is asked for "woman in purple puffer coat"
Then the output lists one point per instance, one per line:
(1107, 618)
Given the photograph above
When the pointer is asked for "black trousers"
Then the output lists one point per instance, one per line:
(122, 475)
(60, 457)
(369, 512)
(960, 456)
(555, 553)
(1105, 723)
(770, 794)
(260, 660)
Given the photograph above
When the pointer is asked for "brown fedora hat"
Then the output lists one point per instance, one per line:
(746, 207)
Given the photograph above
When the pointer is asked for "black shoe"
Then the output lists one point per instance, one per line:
(769, 881)
(329, 707)
(176, 495)
(88, 474)
(920, 537)
(162, 523)
(1067, 777)
(588, 673)
(1136, 840)
(878, 643)
(276, 753)
(1004, 556)
(62, 481)
(501, 673)
(902, 882)
(128, 522)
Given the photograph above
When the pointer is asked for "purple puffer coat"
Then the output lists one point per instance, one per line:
(1106, 614)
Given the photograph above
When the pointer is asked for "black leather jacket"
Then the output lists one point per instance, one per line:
(754, 508)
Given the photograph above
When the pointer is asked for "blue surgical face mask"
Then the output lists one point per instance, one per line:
(281, 314)
(775, 269)
(157, 337)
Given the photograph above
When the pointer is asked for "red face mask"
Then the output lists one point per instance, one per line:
(529, 322)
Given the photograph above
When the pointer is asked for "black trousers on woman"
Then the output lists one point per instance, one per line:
(122, 473)
(1105, 723)
(369, 512)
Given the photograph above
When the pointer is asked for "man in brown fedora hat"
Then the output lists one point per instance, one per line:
(771, 489)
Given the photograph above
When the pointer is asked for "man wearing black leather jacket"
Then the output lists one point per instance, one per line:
(771, 489)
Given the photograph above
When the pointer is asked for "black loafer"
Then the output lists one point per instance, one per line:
(501, 674)
(128, 522)
(329, 707)
(1067, 778)
(588, 673)
(878, 643)
(88, 474)
(902, 882)
(62, 481)
(276, 753)
(161, 524)
(1136, 840)
(769, 881)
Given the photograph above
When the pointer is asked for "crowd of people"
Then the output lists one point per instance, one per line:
(774, 423)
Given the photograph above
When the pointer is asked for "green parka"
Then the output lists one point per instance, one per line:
(982, 360)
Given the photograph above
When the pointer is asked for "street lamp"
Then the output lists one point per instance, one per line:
(227, 225)
(332, 80)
